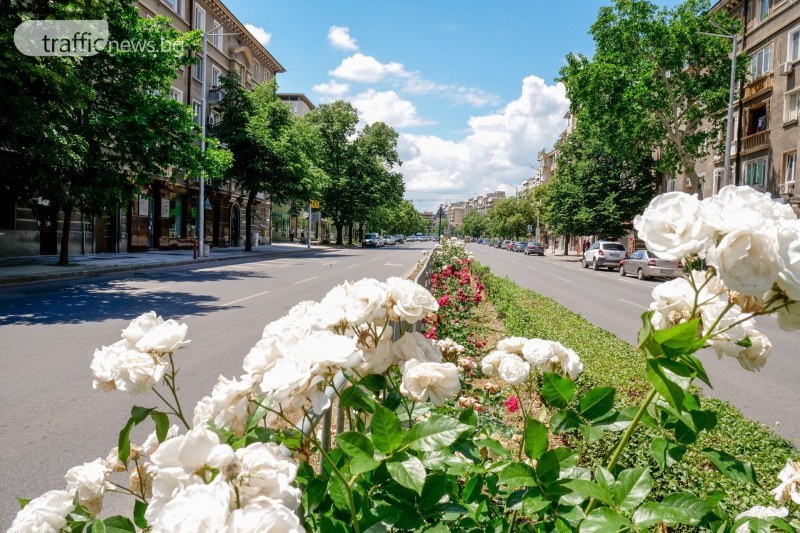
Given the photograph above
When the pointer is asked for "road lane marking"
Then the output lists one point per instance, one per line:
(352, 266)
(151, 289)
(245, 298)
(392, 264)
(304, 280)
(632, 303)
(565, 279)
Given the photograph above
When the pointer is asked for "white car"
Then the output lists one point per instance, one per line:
(604, 254)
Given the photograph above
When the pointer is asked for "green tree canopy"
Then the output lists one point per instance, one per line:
(512, 216)
(475, 224)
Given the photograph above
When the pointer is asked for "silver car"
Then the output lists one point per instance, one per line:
(644, 265)
(603, 254)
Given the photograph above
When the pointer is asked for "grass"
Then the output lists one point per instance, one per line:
(610, 361)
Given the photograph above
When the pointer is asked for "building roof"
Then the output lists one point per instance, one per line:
(296, 96)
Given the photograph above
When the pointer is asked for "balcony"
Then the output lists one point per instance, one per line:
(215, 96)
(759, 86)
(755, 142)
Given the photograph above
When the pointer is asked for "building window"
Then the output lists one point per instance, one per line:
(241, 71)
(790, 107)
(757, 119)
(175, 216)
(761, 63)
(214, 118)
(176, 5)
(790, 167)
(176, 94)
(196, 112)
(215, 36)
(216, 74)
(793, 46)
(255, 72)
(717, 180)
(197, 70)
(763, 9)
(266, 74)
(671, 185)
(755, 172)
(199, 18)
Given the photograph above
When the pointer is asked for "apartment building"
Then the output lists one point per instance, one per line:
(454, 212)
(483, 203)
(766, 132)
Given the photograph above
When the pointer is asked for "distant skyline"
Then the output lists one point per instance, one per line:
(469, 86)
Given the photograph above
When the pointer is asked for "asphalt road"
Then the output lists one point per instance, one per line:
(53, 420)
(616, 304)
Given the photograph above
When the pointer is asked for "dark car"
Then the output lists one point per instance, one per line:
(519, 247)
(372, 240)
(534, 248)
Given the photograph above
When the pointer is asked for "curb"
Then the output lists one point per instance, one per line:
(102, 271)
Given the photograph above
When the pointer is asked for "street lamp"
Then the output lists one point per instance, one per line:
(726, 173)
(441, 212)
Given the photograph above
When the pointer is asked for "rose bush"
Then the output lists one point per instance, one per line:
(400, 461)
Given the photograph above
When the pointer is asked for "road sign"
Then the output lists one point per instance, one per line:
(530, 228)
(314, 204)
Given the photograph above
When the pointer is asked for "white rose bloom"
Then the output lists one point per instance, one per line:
(672, 303)
(789, 487)
(151, 442)
(735, 207)
(333, 307)
(228, 406)
(491, 362)
(409, 301)
(788, 252)
(745, 259)
(113, 462)
(366, 301)
(673, 226)
(434, 381)
(327, 350)
(270, 348)
(755, 357)
(789, 316)
(551, 356)
(414, 346)
(197, 509)
(104, 364)
(286, 382)
(513, 370)
(88, 483)
(376, 360)
(267, 515)
(140, 326)
(512, 345)
(538, 351)
(449, 347)
(45, 514)
(760, 511)
(725, 333)
(163, 338)
(266, 473)
(138, 372)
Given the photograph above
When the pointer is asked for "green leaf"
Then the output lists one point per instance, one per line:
(604, 478)
(472, 489)
(355, 398)
(338, 493)
(679, 508)
(138, 414)
(362, 464)
(679, 339)
(590, 489)
(661, 373)
(645, 337)
(161, 420)
(468, 416)
(23, 502)
(603, 520)
(532, 505)
(117, 524)
(518, 475)
(139, 508)
(549, 466)
(631, 488)
(124, 441)
(666, 453)
(535, 436)
(374, 382)
(731, 467)
(385, 428)
(408, 471)
(355, 444)
(564, 420)
(597, 402)
(591, 433)
(436, 433)
(557, 391)
(494, 446)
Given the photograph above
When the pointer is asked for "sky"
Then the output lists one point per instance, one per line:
(469, 85)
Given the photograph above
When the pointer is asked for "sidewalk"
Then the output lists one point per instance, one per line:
(43, 267)
(573, 257)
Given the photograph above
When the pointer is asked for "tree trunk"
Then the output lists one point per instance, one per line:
(63, 256)
(350, 234)
(248, 223)
(360, 231)
(339, 232)
(566, 244)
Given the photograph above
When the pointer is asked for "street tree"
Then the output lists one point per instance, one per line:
(512, 216)
(474, 224)
(95, 129)
(655, 84)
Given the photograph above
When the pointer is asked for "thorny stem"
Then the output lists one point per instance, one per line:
(124, 490)
(350, 501)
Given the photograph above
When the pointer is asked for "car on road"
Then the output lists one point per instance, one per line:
(372, 240)
(519, 246)
(643, 264)
(388, 240)
(534, 248)
(508, 245)
(603, 254)
(499, 243)
(399, 238)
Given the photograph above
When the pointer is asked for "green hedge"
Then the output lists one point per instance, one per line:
(610, 361)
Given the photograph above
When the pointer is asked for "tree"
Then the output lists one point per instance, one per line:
(512, 216)
(655, 84)
(475, 224)
(108, 125)
(272, 150)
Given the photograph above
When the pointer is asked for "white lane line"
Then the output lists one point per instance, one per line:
(352, 266)
(632, 303)
(376, 258)
(152, 289)
(304, 280)
(245, 298)
(392, 264)
(565, 279)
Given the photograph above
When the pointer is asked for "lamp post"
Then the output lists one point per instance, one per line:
(441, 212)
(726, 173)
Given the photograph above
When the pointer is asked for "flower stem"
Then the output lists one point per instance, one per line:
(350, 501)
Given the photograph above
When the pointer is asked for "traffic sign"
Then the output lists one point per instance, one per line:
(314, 204)
(530, 228)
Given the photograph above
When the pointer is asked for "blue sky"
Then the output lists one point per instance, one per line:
(469, 85)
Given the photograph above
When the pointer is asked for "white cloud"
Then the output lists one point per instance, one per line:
(388, 107)
(366, 69)
(331, 90)
(339, 37)
(261, 35)
(496, 150)
(416, 84)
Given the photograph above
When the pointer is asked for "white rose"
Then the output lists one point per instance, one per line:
(267, 350)
(551, 356)
(410, 302)
(512, 345)
(113, 462)
(491, 362)
(726, 333)
(735, 207)
(197, 509)
(325, 349)
(228, 406)
(434, 381)
(88, 482)
(760, 512)
(745, 259)
(366, 301)
(755, 356)
(138, 372)
(789, 487)
(415, 347)
(286, 382)
(673, 226)
(377, 360)
(151, 442)
(140, 326)
(513, 370)
(788, 255)
(104, 364)
(672, 303)
(789, 316)
(45, 514)
(267, 515)
(332, 309)
(266, 473)
(163, 338)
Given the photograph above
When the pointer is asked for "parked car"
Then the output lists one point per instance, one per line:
(372, 240)
(603, 254)
(519, 246)
(508, 245)
(499, 243)
(534, 248)
(399, 238)
(388, 239)
(644, 264)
